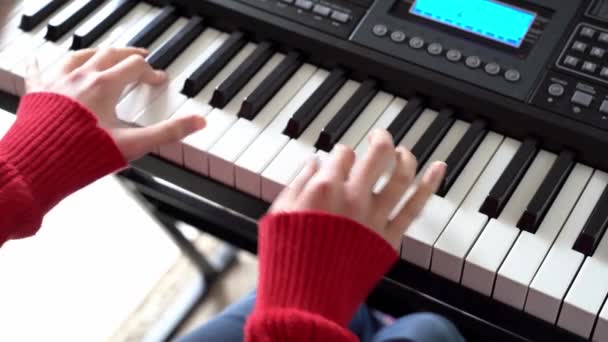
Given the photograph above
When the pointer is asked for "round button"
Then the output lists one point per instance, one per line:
(417, 43)
(493, 68)
(398, 36)
(512, 75)
(454, 55)
(435, 49)
(556, 90)
(380, 30)
(473, 62)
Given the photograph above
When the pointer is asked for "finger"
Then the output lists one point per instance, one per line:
(76, 59)
(339, 165)
(134, 69)
(109, 57)
(402, 177)
(33, 76)
(368, 170)
(428, 186)
(291, 192)
(136, 142)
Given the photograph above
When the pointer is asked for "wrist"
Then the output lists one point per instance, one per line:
(319, 262)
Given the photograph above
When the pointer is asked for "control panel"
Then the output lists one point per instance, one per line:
(508, 53)
(337, 17)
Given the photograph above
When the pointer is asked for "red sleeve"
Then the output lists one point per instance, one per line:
(315, 270)
(53, 149)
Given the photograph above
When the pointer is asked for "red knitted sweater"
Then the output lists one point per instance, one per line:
(315, 268)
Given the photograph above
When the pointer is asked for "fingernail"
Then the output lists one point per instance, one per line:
(198, 123)
(161, 74)
(437, 172)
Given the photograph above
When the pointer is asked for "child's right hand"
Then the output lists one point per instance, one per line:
(344, 187)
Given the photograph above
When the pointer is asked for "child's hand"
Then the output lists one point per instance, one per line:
(97, 77)
(346, 188)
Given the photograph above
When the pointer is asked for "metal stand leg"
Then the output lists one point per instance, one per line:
(210, 269)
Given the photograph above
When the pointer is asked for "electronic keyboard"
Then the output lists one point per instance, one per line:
(511, 94)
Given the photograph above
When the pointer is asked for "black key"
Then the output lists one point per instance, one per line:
(432, 137)
(506, 184)
(212, 66)
(168, 52)
(406, 118)
(545, 195)
(86, 36)
(313, 105)
(243, 74)
(36, 16)
(594, 228)
(155, 28)
(254, 103)
(346, 116)
(461, 154)
(69, 18)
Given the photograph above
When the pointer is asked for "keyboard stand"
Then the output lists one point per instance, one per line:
(209, 268)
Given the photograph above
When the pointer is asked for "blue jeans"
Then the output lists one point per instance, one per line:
(419, 327)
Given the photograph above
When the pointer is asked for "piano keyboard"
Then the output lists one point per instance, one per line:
(514, 222)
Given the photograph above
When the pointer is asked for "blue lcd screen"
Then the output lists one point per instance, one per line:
(487, 18)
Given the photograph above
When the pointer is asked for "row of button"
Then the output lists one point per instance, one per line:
(321, 10)
(589, 32)
(579, 98)
(452, 55)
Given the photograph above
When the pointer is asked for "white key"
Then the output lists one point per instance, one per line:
(385, 120)
(166, 103)
(142, 12)
(51, 53)
(459, 236)
(229, 148)
(9, 22)
(288, 163)
(601, 327)
(528, 252)
(561, 264)
(264, 149)
(361, 126)
(200, 105)
(197, 146)
(489, 251)
(6, 121)
(131, 31)
(417, 242)
(143, 94)
(587, 293)
(24, 44)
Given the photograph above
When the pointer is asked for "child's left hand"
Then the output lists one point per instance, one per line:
(96, 78)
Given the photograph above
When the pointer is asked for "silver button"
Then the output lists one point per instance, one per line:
(398, 36)
(304, 4)
(454, 55)
(579, 46)
(435, 49)
(587, 32)
(604, 72)
(589, 67)
(597, 52)
(417, 43)
(556, 90)
(380, 30)
(321, 10)
(473, 62)
(603, 38)
(340, 16)
(582, 99)
(512, 75)
(571, 61)
(492, 68)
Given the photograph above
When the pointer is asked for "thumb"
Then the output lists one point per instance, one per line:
(136, 142)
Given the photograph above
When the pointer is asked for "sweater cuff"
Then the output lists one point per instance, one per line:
(56, 148)
(320, 263)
